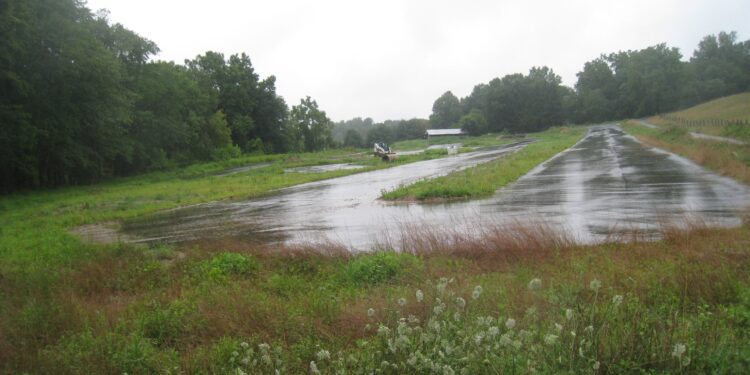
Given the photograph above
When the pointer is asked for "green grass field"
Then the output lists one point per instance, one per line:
(735, 107)
(483, 180)
(730, 108)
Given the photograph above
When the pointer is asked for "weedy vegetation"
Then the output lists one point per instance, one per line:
(513, 300)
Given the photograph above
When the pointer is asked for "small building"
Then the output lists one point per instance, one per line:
(443, 132)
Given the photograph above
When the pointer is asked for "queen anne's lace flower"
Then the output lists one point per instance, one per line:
(550, 339)
(678, 350)
(595, 285)
(477, 292)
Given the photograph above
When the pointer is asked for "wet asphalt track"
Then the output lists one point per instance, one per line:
(606, 183)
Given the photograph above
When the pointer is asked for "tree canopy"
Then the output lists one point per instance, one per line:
(81, 100)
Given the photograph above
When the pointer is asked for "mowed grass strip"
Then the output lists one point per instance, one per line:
(483, 180)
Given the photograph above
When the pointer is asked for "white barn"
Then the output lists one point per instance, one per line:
(441, 132)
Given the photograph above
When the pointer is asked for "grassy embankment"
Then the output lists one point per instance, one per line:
(725, 158)
(730, 108)
(483, 180)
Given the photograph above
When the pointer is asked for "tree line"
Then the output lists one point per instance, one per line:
(625, 84)
(81, 101)
(359, 132)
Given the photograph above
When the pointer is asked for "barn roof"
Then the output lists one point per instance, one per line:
(431, 132)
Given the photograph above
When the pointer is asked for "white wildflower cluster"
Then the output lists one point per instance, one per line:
(477, 292)
(678, 352)
(595, 285)
(451, 337)
(535, 284)
(569, 314)
(461, 302)
(246, 360)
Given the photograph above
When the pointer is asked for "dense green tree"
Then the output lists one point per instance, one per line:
(597, 91)
(255, 114)
(65, 101)
(474, 123)
(353, 139)
(380, 133)
(313, 127)
(410, 129)
(446, 111)
(650, 80)
(341, 128)
(721, 65)
(518, 103)
(81, 101)
(174, 120)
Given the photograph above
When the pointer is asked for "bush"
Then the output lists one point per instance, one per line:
(377, 267)
(229, 264)
(89, 353)
(163, 324)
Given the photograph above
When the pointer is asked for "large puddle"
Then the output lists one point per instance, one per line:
(607, 182)
(324, 168)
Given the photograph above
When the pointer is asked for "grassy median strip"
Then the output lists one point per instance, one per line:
(483, 180)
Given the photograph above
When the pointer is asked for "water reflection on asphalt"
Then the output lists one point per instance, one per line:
(605, 183)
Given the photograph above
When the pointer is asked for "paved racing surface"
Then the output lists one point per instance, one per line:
(606, 183)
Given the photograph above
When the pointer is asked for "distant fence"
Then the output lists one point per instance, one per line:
(684, 121)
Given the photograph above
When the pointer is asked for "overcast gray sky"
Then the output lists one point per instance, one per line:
(390, 59)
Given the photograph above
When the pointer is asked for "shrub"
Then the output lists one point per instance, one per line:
(229, 264)
(382, 266)
(163, 324)
(90, 353)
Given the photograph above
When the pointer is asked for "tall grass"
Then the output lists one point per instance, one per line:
(189, 309)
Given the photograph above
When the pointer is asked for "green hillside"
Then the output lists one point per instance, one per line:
(734, 107)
